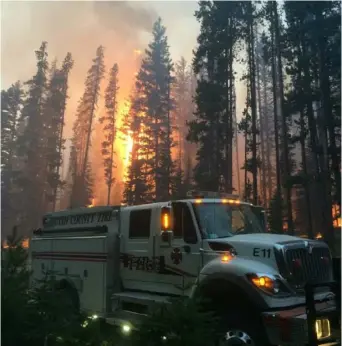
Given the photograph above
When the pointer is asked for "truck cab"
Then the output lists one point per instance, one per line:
(120, 261)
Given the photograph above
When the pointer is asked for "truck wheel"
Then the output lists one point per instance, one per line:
(238, 328)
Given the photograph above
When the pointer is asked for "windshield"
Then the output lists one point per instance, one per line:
(225, 220)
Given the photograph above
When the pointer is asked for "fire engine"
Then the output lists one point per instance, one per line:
(117, 262)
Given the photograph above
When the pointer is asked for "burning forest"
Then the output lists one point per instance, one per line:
(127, 145)
(123, 119)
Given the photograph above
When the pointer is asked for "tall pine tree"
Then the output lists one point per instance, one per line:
(151, 121)
(213, 126)
(32, 143)
(109, 127)
(81, 194)
(54, 111)
(11, 103)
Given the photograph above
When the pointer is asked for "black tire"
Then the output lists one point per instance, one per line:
(241, 327)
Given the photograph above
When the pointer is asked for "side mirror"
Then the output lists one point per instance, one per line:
(166, 225)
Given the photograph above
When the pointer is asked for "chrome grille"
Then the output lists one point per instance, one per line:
(299, 264)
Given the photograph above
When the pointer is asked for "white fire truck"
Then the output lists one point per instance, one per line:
(118, 261)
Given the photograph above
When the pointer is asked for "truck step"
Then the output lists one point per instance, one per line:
(121, 318)
(133, 307)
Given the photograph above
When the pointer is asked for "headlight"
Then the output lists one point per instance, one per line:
(270, 284)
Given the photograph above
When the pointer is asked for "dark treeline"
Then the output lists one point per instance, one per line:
(183, 121)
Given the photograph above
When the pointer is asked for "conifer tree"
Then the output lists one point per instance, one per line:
(206, 129)
(81, 193)
(151, 121)
(90, 98)
(138, 187)
(109, 127)
(312, 33)
(32, 144)
(212, 129)
(54, 110)
(11, 103)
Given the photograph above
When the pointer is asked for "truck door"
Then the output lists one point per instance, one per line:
(137, 249)
(182, 258)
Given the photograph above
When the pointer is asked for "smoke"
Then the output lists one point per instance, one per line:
(76, 27)
(124, 17)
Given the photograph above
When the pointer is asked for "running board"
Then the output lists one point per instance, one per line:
(133, 307)
(134, 297)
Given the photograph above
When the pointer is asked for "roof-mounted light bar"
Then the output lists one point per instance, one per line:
(210, 194)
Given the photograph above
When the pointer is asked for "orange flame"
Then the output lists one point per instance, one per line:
(25, 244)
(129, 147)
(125, 143)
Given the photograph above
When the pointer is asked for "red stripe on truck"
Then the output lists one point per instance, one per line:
(76, 259)
(71, 256)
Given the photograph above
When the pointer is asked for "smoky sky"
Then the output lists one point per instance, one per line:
(78, 27)
(81, 26)
(124, 17)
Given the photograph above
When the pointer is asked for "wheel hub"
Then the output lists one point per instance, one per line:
(236, 337)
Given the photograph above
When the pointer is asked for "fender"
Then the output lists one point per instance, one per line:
(234, 273)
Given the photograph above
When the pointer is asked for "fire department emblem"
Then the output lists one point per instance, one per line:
(176, 256)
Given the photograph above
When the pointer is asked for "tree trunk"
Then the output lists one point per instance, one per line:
(253, 106)
(312, 135)
(262, 134)
(305, 171)
(284, 124)
(236, 143)
(267, 134)
(230, 133)
(168, 136)
(276, 124)
(60, 141)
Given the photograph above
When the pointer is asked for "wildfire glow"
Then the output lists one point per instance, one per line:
(129, 147)
(124, 143)
(25, 244)
(92, 204)
(336, 214)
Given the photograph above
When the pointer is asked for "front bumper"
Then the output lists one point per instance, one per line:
(290, 328)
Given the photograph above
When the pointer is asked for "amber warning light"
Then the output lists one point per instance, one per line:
(166, 218)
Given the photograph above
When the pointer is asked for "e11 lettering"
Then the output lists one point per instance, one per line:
(258, 252)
